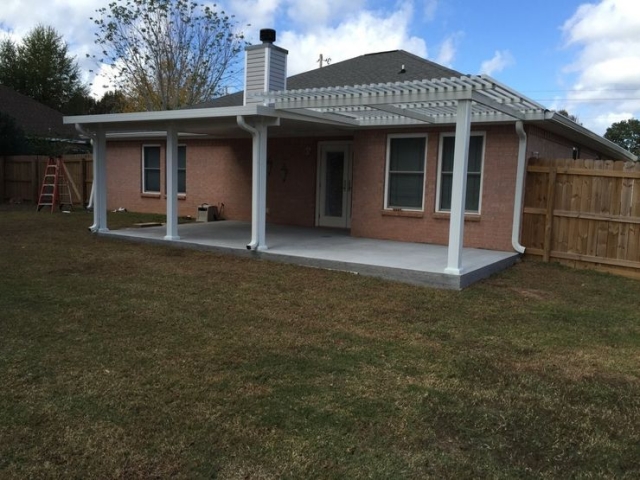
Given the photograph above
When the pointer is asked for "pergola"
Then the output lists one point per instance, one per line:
(458, 100)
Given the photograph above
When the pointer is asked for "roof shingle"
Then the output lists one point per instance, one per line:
(382, 67)
(32, 116)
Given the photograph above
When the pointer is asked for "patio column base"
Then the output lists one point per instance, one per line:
(101, 230)
(257, 248)
(172, 237)
(454, 271)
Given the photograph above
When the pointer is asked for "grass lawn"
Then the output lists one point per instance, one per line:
(122, 360)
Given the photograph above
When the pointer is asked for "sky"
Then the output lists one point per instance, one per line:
(582, 56)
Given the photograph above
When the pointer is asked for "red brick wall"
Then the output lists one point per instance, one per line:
(217, 172)
(544, 144)
(291, 181)
(491, 229)
(220, 172)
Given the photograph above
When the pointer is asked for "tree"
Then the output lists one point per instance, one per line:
(565, 113)
(165, 54)
(111, 102)
(41, 68)
(626, 134)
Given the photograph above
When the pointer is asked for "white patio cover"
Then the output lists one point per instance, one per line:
(409, 103)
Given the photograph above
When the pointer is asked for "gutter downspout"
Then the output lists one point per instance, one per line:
(253, 244)
(519, 196)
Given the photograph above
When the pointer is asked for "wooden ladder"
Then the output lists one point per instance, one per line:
(55, 188)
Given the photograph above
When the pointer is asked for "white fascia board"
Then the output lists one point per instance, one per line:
(170, 115)
(396, 121)
(319, 117)
(601, 143)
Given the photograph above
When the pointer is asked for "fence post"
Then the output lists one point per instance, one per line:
(35, 181)
(2, 179)
(84, 181)
(548, 221)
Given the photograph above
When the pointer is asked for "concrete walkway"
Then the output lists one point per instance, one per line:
(415, 263)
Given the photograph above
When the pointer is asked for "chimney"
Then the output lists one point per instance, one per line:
(265, 67)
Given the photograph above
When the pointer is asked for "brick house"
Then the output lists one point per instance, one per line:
(386, 145)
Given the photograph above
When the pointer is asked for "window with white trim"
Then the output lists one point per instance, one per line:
(406, 163)
(474, 172)
(182, 169)
(151, 168)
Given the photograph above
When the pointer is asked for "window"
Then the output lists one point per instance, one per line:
(151, 168)
(474, 172)
(182, 169)
(406, 158)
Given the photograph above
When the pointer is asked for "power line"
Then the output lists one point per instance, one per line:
(581, 90)
(585, 99)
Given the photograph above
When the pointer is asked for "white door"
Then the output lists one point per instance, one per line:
(334, 185)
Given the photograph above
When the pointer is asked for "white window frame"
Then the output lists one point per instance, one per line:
(439, 179)
(185, 168)
(142, 165)
(424, 170)
(180, 194)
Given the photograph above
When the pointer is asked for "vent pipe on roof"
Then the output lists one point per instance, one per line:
(267, 35)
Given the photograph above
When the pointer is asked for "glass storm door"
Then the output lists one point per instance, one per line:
(334, 186)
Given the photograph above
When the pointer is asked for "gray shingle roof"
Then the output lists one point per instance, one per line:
(382, 67)
(34, 117)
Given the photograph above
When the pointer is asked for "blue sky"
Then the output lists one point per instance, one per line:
(583, 56)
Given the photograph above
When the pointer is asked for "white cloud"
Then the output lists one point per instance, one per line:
(364, 33)
(500, 60)
(606, 71)
(448, 49)
(312, 15)
(430, 8)
(258, 13)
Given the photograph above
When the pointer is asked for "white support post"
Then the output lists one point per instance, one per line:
(171, 167)
(100, 183)
(259, 192)
(459, 188)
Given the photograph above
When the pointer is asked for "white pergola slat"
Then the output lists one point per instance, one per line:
(406, 103)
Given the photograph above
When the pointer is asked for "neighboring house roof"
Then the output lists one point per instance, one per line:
(33, 117)
(383, 67)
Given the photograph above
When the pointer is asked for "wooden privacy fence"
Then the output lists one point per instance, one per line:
(21, 177)
(585, 213)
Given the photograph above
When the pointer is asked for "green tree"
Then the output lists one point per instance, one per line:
(111, 102)
(626, 134)
(41, 68)
(165, 54)
(565, 113)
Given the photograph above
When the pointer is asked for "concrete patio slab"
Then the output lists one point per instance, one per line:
(415, 263)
